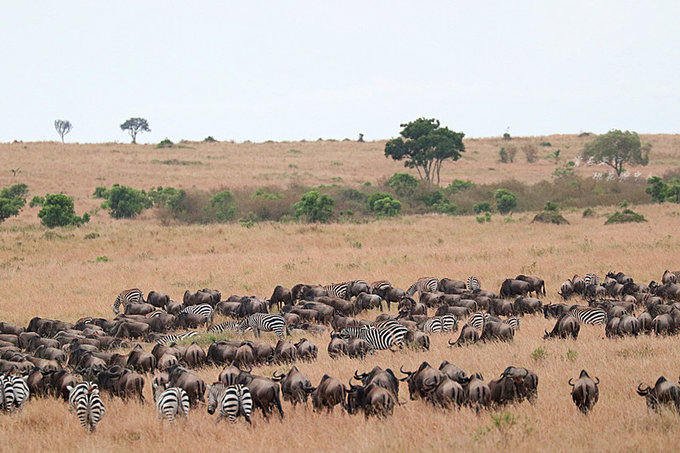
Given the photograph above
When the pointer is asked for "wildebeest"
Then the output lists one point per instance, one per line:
(194, 356)
(189, 381)
(122, 382)
(372, 399)
(264, 392)
(140, 360)
(512, 287)
(329, 393)
(378, 376)
(584, 392)
(306, 350)
(527, 306)
(537, 284)
(497, 331)
(418, 340)
(358, 348)
(477, 392)
(337, 346)
(664, 393)
(566, 289)
(416, 379)
(468, 335)
(566, 325)
(295, 386)
(280, 297)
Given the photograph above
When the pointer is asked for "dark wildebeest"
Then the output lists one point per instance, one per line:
(264, 392)
(157, 299)
(295, 386)
(584, 392)
(372, 399)
(468, 335)
(566, 289)
(280, 297)
(195, 356)
(358, 348)
(497, 331)
(417, 340)
(337, 346)
(188, 380)
(366, 301)
(664, 393)
(527, 306)
(537, 284)
(454, 372)
(477, 393)
(512, 287)
(285, 352)
(140, 360)
(528, 386)
(378, 376)
(445, 394)
(416, 379)
(566, 325)
(329, 393)
(306, 350)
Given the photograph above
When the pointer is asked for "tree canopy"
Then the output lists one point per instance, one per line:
(424, 145)
(62, 127)
(616, 148)
(133, 126)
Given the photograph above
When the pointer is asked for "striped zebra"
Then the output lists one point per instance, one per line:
(473, 284)
(6, 394)
(175, 337)
(129, 296)
(378, 339)
(591, 279)
(439, 324)
(380, 286)
(85, 399)
(230, 401)
(21, 391)
(589, 315)
(227, 325)
(512, 322)
(171, 403)
(339, 290)
(202, 309)
(396, 329)
(264, 321)
(423, 285)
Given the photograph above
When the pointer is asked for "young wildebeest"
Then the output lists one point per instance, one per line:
(584, 392)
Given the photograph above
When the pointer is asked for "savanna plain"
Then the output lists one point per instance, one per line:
(57, 274)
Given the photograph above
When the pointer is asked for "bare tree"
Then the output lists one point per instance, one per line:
(63, 127)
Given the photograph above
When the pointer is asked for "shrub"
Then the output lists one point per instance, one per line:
(503, 154)
(483, 206)
(403, 184)
(506, 136)
(12, 200)
(372, 198)
(550, 206)
(506, 201)
(484, 218)
(209, 139)
(125, 202)
(264, 192)
(100, 192)
(626, 216)
(661, 191)
(589, 212)
(545, 144)
(458, 185)
(165, 196)
(438, 202)
(57, 211)
(386, 207)
(223, 204)
(566, 170)
(314, 207)
(165, 143)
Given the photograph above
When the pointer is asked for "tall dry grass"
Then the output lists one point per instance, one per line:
(58, 274)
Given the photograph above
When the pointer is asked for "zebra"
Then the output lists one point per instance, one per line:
(175, 337)
(591, 279)
(6, 394)
(379, 286)
(230, 401)
(171, 403)
(202, 309)
(85, 399)
(20, 389)
(473, 284)
(512, 322)
(339, 290)
(227, 325)
(264, 321)
(378, 339)
(477, 319)
(423, 285)
(589, 315)
(129, 296)
(438, 324)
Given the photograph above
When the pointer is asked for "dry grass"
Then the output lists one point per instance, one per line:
(56, 274)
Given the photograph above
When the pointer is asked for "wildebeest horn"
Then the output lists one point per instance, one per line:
(451, 344)
(546, 332)
(598, 380)
(357, 376)
(570, 379)
(351, 386)
(642, 391)
(408, 373)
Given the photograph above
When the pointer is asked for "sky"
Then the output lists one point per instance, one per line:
(293, 70)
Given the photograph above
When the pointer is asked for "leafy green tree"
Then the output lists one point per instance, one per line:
(315, 207)
(133, 126)
(383, 205)
(662, 191)
(223, 203)
(12, 200)
(125, 202)
(616, 148)
(403, 184)
(424, 145)
(506, 201)
(57, 211)
(482, 206)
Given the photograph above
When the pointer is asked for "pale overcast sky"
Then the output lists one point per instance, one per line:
(291, 70)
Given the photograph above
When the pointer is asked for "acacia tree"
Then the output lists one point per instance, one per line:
(616, 148)
(425, 146)
(133, 126)
(63, 127)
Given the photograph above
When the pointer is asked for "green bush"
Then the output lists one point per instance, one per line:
(662, 191)
(166, 143)
(438, 202)
(403, 184)
(589, 212)
(263, 192)
(209, 139)
(383, 205)
(12, 200)
(484, 218)
(458, 185)
(57, 211)
(165, 197)
(314, 207)
(506, 201)
(550, 206)
(626, 216)
(125, 202)
(100, 192)
(223, 204)
(545, 144)
(483, 206)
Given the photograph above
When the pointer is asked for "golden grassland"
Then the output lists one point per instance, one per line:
(70, 273)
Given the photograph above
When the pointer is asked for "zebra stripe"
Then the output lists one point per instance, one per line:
(512, 322)
(175, 338)
(232, 401)
(21, 391)
(423, 285)
(380, 285)
(589, 315)
(173, 402)
(85, 399)
(473, 284)
(227, 325)
(378, 339)
(202, 309)
(6, 394)
(264, 321)
(129, 296)
(591, 279)
(438, 324)
(477, 319)
(338, 290)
